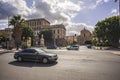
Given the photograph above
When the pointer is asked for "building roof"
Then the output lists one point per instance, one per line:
(85, 30)
(39, 19)
(58, 26)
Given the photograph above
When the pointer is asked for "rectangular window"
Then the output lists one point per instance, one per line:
(58, 36)
(58, 31)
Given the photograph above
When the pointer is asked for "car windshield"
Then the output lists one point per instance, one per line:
(41, 50)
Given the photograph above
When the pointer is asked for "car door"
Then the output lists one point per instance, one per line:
(29, 54)
(32, 54)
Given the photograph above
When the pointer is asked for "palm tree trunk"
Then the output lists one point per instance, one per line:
(18, 34)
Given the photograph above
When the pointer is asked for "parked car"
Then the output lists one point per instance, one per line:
(89, 46)
(52, 47)
(73, 47)
(0, 46)
(35, 54)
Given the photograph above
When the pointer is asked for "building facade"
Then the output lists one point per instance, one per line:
(37, 24)
(86, 35)
(58, 31)
(9, 42)
(7, 32)
(71, 39)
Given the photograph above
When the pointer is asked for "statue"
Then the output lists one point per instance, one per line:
(42, 41)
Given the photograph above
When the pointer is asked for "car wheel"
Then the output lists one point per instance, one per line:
(19, 59)
(45, 60)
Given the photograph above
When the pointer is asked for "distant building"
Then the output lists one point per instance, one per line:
(7, 32)
(58, 31)
(37, 24)
(71, 39)
(85, 36)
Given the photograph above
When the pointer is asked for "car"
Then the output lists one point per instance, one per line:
(0, 46)
(35, 54)
(73, 47)
(89, 46)
(52, 47)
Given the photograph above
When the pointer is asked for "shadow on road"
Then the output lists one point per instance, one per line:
(31, 64)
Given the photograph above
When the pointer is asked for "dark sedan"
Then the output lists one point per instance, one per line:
(35, 54)
(52, 47)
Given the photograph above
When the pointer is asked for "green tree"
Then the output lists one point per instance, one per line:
(17, 21)
(27, 31)
(108, 30)
(2, 38)
(47, 35)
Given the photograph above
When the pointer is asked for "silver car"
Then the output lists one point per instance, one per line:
(73, 47)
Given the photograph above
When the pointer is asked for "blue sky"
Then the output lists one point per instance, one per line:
(74, 14)
(91, 16)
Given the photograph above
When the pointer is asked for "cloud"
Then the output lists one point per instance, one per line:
(75, 28)
(55, 11)
(50, 9)
(106, 1)
(94, 4)
(114, 11)
(3, 23)
(12, 7)
(97, 3)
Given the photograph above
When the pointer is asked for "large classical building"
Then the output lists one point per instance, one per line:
(58, 31)
(85, 35)
(37, 24)
(7, 32)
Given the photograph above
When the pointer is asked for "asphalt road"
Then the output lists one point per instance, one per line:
(85, 64)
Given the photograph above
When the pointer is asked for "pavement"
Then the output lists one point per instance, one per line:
(2, 51)
(83, 64)
(116, 52)
(113, 51)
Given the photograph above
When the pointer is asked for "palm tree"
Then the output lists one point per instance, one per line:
(17, 21)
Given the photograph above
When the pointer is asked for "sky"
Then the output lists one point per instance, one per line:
(74, 14)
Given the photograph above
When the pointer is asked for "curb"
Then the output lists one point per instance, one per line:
(116, 53)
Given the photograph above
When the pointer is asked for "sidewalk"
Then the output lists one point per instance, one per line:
(112, 50)
(116, 52)
(7, 51)
(4, 51)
